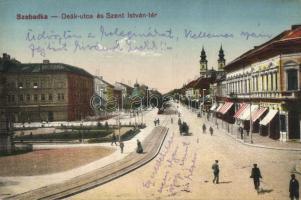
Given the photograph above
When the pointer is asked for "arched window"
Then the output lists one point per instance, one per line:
(292, 75)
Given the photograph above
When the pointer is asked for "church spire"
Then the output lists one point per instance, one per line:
(221, 59)
(203, 63)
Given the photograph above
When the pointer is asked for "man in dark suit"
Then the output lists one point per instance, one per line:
(256, 175)
(294, 188)
(215, 169)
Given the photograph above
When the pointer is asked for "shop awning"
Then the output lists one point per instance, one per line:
(226, 107)
(213, 107)
(258, 113)
(248, 111)
(271, 114)
(221, 105)
(240, 110)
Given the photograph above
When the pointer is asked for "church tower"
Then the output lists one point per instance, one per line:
(221, 62)
(203, 63)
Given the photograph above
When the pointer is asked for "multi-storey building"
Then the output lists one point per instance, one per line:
(262, 86)
(46, 91)
(126, 92)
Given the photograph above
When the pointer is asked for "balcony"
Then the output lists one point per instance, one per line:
(264, 95)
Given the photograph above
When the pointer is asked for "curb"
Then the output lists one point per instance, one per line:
(259, 146)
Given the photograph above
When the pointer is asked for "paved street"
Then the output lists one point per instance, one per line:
(182, 170)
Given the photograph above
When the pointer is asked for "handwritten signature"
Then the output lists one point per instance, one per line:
(121, 40)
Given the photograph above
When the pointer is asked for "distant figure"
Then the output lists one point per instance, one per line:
(171, 120)
(121, 144)
(204, 128)
(139, 147)
(215, 169)
(294, 188)
(155, 122)
(216, 124)
(114, 139)
(211, 130)
(241, 131)
(158, 121)
(179, 121)
(256, 176)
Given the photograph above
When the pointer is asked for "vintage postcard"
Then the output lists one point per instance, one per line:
(141, 99)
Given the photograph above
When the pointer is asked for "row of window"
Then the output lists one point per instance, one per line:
(35, 84)
(264, 82)
(34, 97)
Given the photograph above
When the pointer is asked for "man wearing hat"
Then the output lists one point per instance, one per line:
(294, 188)
(256, 175)
(215, 169)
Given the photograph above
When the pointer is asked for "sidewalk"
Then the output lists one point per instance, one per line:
(258, 140)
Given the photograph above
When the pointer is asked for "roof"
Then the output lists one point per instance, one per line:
(289, 41)
(107, 83)
(198, 83)
(125, 85)
(9, 66)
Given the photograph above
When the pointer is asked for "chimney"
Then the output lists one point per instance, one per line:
(46, 61)
(295, 26)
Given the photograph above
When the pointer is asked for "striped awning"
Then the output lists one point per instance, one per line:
(271, 114)
(221, 105)
(240, 110)
(258, 113)
(213, 107)
(246, 115)
(226, 107)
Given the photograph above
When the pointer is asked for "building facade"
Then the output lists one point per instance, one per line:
(47, 92)
(262, 86)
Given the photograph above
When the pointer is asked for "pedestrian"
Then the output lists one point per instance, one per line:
(241, 131)
(114, 139)
(155, 122)
(256, 176)
(171, 120)
(216, 124)
(158, 121)
(121, 144)
(179, 121)
(204, 128)
(211, 130)
(215, 169)
(139, 147)
(294, 188)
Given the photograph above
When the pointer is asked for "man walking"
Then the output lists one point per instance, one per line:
(294, 188)
(211, 130)
(114, 139)
(256, 175)
(215, 169)
(121, 144)
(204, 128)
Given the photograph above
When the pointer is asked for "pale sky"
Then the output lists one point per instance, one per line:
(161, 51)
